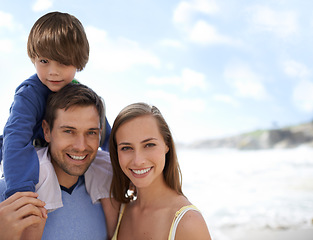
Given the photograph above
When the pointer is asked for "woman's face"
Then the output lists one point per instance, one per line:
(141, 151)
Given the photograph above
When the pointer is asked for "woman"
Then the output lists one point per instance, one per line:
(143, 155)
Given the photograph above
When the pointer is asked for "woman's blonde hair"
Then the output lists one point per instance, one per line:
(171, 172)
(60, 37)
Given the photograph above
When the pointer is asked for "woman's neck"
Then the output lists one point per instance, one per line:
(154, 195)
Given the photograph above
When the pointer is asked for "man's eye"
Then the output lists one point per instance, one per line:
(44, 61)
(68, 131)
(92, 133)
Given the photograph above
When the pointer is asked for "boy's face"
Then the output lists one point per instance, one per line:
(54, 74)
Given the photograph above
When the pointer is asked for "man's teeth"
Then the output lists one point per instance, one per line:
(78, 157)
(139, 172)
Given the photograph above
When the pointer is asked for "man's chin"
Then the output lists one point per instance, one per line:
(76, 171)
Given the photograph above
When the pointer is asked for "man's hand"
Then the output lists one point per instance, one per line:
(18, 212)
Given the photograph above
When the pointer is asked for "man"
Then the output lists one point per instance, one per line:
(72, 128)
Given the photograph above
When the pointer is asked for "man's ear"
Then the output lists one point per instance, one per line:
(101, 136)
(46, 130)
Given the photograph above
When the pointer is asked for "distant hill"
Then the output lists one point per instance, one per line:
(287, 137)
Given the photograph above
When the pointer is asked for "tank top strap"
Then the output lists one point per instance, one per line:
(178, 216)
(120, 216)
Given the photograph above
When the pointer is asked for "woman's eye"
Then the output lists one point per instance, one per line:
(150, 145)
(125, 148)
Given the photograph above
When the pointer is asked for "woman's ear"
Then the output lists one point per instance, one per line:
(46, 130)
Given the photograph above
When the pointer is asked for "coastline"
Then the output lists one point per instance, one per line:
(288, 234)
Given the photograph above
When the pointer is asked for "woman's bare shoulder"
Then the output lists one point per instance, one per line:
(192, 226)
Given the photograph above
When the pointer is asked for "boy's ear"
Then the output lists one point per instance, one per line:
(46, 130)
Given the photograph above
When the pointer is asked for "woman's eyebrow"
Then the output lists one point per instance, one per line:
(148, 139)
(143, 141)
(123, 143)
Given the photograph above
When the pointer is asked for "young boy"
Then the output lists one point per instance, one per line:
(58, 47)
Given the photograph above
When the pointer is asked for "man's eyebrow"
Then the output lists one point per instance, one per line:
(94, 129)
(70, 127)
(65, 126)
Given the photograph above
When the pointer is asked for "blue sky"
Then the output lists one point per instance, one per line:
(213, 67)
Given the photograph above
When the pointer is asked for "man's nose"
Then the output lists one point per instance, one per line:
(80, 143)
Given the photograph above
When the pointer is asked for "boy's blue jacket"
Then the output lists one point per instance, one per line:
(21, 164)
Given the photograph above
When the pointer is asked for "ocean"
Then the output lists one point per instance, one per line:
(250, 190)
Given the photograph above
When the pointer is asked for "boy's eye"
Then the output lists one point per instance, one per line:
(44, 61)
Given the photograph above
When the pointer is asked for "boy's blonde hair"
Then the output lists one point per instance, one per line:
(60, 37)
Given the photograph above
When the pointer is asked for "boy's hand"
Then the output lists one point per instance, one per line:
(18, 212)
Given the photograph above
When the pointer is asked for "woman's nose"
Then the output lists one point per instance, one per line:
(139, 158)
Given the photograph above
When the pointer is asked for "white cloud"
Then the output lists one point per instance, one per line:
(174, 103)
(6, 21)
(246, 83)
(182, 13)
(42, 5)
(6, 45)
(226, 99)
(185, 10)
(116, 55)
(295, 69)
(303, 97)
(189, 79)
(180, 112)
(280, 23)
(186, 17)
(204, 33)
(172, 43)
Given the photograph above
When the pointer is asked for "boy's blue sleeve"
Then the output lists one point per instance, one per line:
(105, 145)
(20, 160)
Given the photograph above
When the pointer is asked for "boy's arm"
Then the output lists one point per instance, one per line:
(105, 136)
(20, 161)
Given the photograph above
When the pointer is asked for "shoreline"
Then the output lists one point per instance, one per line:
(288, 234)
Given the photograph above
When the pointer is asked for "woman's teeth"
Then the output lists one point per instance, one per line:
(142, 171)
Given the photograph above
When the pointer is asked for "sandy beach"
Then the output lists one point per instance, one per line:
(290, 234)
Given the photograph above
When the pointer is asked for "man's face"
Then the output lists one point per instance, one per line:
(73, 142)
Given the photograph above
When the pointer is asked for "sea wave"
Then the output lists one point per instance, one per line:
(264, 189)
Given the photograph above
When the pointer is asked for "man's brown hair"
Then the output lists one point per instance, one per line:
(72, 95)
